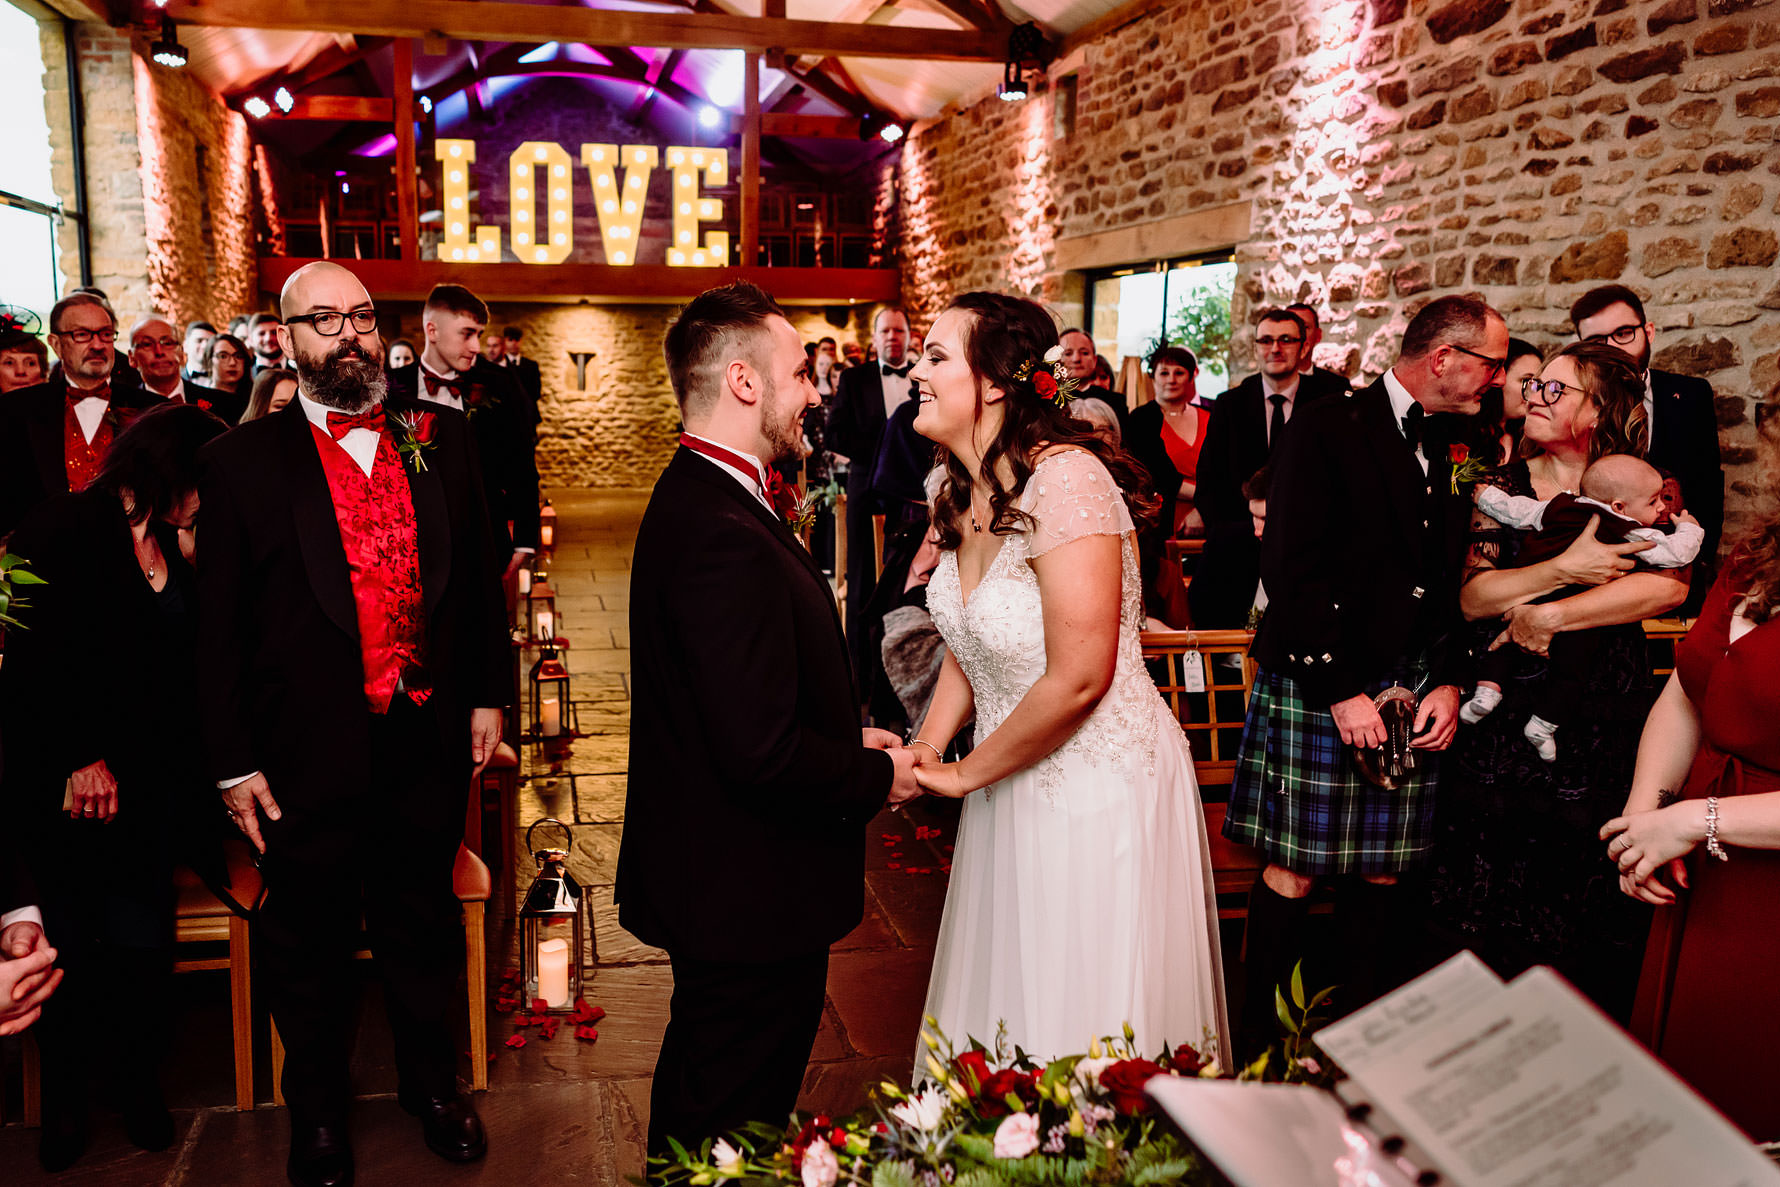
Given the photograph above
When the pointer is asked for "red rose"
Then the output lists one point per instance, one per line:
(972, 1068)
(1045, 384)
(1186, 1060)
(1457, 454)
(423, 428)
(998, 1087)
(1124, 1082)
(204, 404)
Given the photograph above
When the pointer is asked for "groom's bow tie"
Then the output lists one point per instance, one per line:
(898, 371)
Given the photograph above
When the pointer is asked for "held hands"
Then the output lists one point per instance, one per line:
(245, 801)
(1646, 845)
(902, 787)
(26, 981)
(93, 793)
(1589, 562)
(938, 777)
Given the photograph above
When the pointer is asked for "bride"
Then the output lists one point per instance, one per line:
(1081, 894)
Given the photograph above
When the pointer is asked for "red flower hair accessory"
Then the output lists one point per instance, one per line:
(1048, 382)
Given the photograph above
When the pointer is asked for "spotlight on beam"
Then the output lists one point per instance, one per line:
(1026, 49)
(282, 97)
(167, 51)
(257, 107)
(426, 104)
(1013, 87)
(891, 132)
(874, 123)
(709, 117)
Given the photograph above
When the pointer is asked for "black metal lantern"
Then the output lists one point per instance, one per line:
(553, 713)
(553, 929)
(547, 526)
(541, 625)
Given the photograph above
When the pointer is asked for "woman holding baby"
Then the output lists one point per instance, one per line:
(1517, 874)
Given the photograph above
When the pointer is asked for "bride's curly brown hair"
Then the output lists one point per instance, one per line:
(1756, 557)
(1002, 334)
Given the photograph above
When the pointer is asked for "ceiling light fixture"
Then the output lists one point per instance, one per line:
(1026, 49)
(283, 99)
(167, 51)
(426, 104)
(257, 107)
(709, 117)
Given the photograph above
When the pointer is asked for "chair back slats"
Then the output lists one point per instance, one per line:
(1211, 718)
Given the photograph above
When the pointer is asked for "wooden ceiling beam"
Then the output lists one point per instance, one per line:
(502, 21)
(827, 127)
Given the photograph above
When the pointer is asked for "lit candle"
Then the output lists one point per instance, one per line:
(546, 534)
(550, 718)
(546, 626)
(525, 581)
(553, 972)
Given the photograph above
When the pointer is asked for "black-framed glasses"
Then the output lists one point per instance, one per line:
(1284, 340)
(160, 344)
(1544, 392)
(1620, 336)
(1495, 364)
(82, 337)
(329, 324)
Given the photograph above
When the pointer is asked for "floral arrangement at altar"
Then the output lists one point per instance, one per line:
(998, 1118)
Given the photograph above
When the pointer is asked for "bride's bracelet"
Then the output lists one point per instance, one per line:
(1714, 847)
(929, 745)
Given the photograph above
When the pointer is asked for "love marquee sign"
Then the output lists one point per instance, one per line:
(541, 169)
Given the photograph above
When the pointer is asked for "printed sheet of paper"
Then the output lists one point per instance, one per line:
(1529, 1086)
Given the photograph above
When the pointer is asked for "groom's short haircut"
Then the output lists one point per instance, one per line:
(716, 327)
(455, 298)
(1447, 321)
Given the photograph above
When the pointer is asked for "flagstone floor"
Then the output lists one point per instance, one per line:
(557, 1110)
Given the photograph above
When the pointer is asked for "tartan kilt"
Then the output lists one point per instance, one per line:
(1298, 799)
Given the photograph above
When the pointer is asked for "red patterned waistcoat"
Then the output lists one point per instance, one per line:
(377, 529)
(83, 458)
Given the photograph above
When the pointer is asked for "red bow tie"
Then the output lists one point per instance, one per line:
(342, 423)
(435, 384)
(77, 394)
(782, 496)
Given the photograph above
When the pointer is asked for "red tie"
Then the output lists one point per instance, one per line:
(780, 495)
(77, 394)
(342, 423)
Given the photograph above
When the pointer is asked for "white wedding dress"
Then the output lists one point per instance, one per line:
(1081, 891)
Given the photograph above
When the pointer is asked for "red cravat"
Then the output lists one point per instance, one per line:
(342, 423)
(435, 384)
(77, 394)
(780, 495)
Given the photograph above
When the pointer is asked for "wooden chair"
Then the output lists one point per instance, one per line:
(1662, 634)
(499, 785)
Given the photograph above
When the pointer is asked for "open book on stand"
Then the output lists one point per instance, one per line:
(1461, 1079)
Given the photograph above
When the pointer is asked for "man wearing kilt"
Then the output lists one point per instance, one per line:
(1361, 559)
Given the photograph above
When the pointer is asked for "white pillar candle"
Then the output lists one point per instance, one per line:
(550, 717)
(553, 972)
(546, 626)
(525, 581)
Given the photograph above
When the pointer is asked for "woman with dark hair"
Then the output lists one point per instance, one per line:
(1081, 888)
(223, 363)
(402, 354)
(1699, 837)
(103, 778)
(1516, 873)
(273, 388)
(1524, 362)
(23, 360)
(1166, 435)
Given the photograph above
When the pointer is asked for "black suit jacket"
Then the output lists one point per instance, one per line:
(531, 384)
(749, 791)
(506, 443)
(1684, 442)
(1235, 447)
(855, 428)
(15, 885)
(281, 672)
(1362, 554)
(33, 464)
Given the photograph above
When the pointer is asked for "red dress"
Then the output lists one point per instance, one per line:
(1707, 998)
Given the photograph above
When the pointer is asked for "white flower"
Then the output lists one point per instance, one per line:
(1055, 353)
(921, 1111)
(820, 1167)
(727, 1157)
(1016, 1136)
(1087, 1071)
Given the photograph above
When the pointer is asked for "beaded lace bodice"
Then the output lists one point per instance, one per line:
(998, 636)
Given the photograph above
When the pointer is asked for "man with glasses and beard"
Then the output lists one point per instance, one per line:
(1682, 416)
(353, 660)
(54, 436)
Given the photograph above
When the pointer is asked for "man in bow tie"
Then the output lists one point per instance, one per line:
(864, 399)
(751, 783)
(454, 373)
(54, 436)
(353, 660)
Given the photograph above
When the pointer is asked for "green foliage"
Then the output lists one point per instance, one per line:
(1202, 324)
(13, 574)
(893, 1174)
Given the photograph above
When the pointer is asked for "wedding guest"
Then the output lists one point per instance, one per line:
(1516, 876)
(272, 390)
(493, 347)
(1330, 381)
(864, 399)
(28, 972)
(1083, 365)
(1246, 427)
(827, 371)
(744, 811)
(1166, 435)
(402, 354)
(1525, 361)
(1680, 413)
(1099, 416)
(223, 365)
(531, 379)
(1699, 836)
(117, 787)
(268, 349)
(353, 661)
(1355, 606)
(54, 436)
(198, 335)
(123, 376)
(23, 360)
(453, 375)
(238, 326)
(160, 360)
(1103, 374)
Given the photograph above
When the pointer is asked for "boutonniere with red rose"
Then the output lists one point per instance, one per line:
(1466, 470)
(414, 437)
(478, 398)
(204, 405)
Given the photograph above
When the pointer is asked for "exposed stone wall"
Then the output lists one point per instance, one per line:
(1395, 150)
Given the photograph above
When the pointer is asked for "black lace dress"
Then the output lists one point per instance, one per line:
(1519, 874)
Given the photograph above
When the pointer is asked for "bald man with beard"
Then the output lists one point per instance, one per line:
(353, 664)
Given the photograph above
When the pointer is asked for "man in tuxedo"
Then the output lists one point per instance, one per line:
(863, 401)
(353, 662)
(28, 972)
(1362, 557)
(159, 359)
(751, 783)
(1320, 377)
(198, 335)
(54, 436)
(1682, 416)
(451, 372)
(531, 379)
(266, 342)
(1246, 428)
(1080, 359)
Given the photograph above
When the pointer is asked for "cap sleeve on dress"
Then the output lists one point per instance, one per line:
(1071, 495)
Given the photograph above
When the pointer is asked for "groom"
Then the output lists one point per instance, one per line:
(750, 782)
